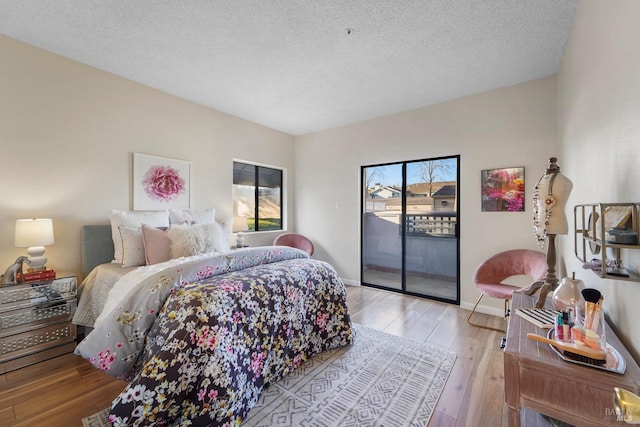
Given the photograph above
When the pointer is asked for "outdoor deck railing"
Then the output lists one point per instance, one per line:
(437, 224)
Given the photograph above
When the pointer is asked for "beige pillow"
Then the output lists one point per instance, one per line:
(132, 246)
(157, 246)
(133, 219)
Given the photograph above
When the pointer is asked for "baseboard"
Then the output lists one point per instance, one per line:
(492, 311)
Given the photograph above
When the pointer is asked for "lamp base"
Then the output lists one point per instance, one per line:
(240, 243)
(37, 260)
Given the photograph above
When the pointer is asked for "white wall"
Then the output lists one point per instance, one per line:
(512, 126)
(599, 133)
(68, 131)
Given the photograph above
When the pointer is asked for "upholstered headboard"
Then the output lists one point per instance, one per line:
(97, 246)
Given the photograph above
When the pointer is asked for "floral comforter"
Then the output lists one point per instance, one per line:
(220, 338)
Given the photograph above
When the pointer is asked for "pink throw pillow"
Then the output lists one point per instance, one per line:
(157, 246)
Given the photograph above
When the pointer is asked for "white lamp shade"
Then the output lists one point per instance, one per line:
(240, 223)
(34, 232)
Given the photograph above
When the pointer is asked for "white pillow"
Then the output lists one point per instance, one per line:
(192, 216)
(187, 240)
(221, 238)
(133, 219)
(133, 253)
(225, 228)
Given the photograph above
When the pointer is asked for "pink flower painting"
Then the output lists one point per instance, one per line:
(163, 183)
(160, 183)
(503, 190)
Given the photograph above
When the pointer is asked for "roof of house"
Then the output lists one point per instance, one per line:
(446, 191)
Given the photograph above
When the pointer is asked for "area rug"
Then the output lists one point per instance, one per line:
(380, 380)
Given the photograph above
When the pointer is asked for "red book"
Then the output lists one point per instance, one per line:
(38, 275)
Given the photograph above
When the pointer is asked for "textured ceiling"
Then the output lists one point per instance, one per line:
(292, 65)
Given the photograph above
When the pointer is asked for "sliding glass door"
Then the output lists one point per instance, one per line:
(409, 239)
(381, 222)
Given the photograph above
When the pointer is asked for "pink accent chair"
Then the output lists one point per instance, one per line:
(491, 274)
(294, 240)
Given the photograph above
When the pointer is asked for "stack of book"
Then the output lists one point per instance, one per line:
(31, 276)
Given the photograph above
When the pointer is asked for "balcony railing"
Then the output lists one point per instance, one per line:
(436, 224)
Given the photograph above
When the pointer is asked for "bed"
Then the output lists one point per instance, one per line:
(199, 337)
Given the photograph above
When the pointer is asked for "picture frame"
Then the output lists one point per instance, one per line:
(503, 189)
(160, 183)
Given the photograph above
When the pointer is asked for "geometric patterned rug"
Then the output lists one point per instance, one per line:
(380, 380)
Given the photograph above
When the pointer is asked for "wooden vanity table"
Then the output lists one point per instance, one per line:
(537, 381)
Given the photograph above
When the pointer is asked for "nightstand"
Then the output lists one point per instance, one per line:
(35, 321)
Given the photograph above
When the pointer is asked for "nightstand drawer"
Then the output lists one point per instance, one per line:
(33, 341)
(28, 294)
(26, 319)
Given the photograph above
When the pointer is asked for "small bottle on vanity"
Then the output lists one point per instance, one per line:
(559, 328)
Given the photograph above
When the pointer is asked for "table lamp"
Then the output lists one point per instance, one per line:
(34, 234)
(240, 225)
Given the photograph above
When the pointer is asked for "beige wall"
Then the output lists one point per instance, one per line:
(512, 126)
(599, 133)
(67, 134)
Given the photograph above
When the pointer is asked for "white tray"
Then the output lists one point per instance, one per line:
(615, 362)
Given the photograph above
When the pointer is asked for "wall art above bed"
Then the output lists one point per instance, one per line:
(160, 183)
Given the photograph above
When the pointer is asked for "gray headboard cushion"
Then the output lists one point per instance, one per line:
(97, 246)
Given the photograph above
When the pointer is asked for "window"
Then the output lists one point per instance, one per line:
(257, 197)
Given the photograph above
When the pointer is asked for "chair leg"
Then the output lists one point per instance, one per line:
(474, 310)
(485, 326)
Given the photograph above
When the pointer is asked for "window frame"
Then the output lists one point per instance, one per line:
(256, 192)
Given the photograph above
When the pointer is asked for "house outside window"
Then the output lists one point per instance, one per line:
(257, 197)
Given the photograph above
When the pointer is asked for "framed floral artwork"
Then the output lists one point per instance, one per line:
(160, 183)
(503, 190)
